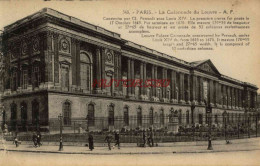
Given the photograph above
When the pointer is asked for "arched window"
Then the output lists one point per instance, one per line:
(24, 78)
(200, 118)
(85, 71)
(111, 115)
(24, 114)
(139, 116)
(67, 113)
(91, 115)
(14, 80)
(35, 112)
(13, 116)
(36, 75)
(216, 119)
(151, 116)
(126, 116)
(187, 116)
(180, 117)
(171, 115)
(162, 117)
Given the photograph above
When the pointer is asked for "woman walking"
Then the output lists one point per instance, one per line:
(90, 142)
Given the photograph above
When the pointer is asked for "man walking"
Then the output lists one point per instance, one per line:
(90, 142)
(117, 139)
(144, 138)
(151, 138)
(39, 136)
(108, 139)
(34, 139)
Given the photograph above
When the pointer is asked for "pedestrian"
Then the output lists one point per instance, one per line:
(108, 139)
(151, 138)
(16, 141)
(39, 136)
(117, 139)
(90, 142)
(34, 139)
(144, 138)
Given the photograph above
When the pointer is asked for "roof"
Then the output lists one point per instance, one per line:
(73, 20)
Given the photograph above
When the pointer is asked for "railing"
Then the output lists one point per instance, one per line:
(164, 128)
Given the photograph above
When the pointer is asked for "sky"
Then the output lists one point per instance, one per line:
(242, 63)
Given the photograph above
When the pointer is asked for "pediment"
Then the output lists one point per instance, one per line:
(206, 66)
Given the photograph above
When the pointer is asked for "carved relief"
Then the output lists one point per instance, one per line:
(35, 45)
(24, 48)
(109, 56)
(64, 45)
(206, 67)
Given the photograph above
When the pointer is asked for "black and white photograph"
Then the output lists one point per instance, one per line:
(129, 82)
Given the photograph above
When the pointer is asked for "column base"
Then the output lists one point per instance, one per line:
(202, 103)
(194, 102)
(155, 98)
(182, 102)
(174, 101)
(19, 89)
(29, 88)
(130, 96)
(188, 102)
(7, 92)
(165, 100)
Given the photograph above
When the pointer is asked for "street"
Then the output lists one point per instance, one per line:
(45, 159)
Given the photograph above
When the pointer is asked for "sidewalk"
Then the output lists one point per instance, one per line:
(236, 145)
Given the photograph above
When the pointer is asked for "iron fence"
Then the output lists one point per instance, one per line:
(165, 128)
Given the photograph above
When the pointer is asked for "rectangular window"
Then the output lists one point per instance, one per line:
(24, 79)
(65, 77)
(200, 119)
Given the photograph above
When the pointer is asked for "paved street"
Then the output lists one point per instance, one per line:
(44, 159)
(164, 148)
(240, 152)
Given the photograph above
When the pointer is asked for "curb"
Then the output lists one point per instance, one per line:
(128, 153)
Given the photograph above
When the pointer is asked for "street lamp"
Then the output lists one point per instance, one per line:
(60, 117)
(225, 124)
(209, 114)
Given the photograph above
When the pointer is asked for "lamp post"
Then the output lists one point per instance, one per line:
(209, 112)
(3, 116)
(60, 117)
(225, 124)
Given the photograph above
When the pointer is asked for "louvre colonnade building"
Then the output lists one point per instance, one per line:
(53, 62)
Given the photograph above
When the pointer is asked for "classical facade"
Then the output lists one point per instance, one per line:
(54, 61)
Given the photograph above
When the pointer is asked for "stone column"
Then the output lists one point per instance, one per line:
(173, 87)
(211, 92)
(120, 90)
(201, 91)
(229, 97)
(133, 76)
(220, 101)
(152, 83)
(216, 93)
(98, 70)
(193, 89)
(129, 86)
(144, 80)
(141, 79)
(182, 88)
(155, 89)
(165, 99)
(56, 59)
(224, 96)
(188, 89)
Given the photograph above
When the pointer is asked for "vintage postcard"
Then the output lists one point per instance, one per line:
(129, 82)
